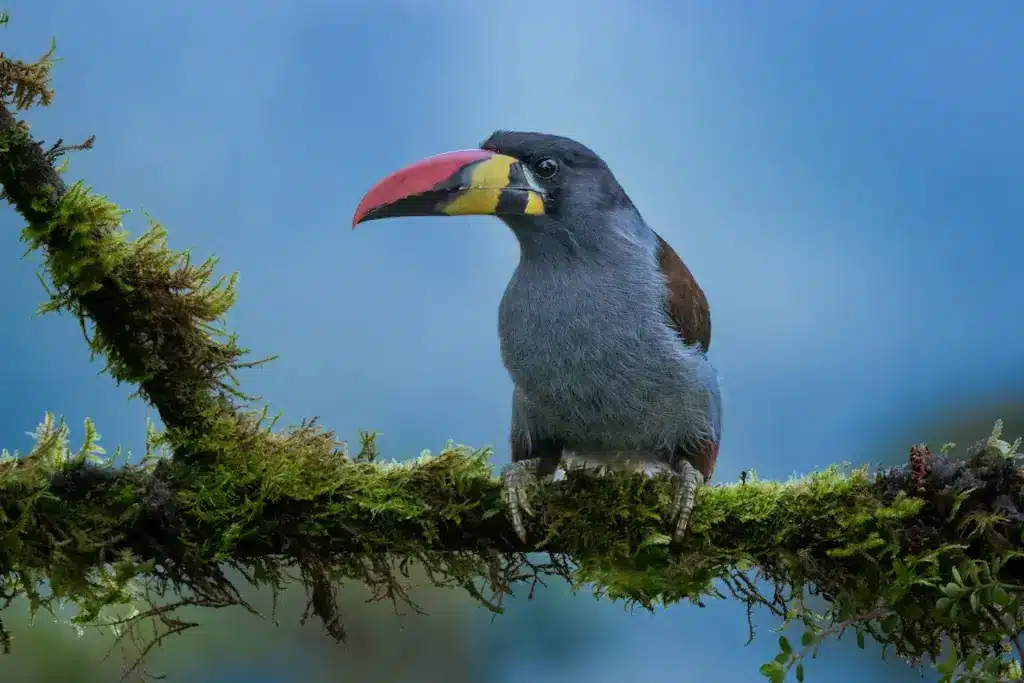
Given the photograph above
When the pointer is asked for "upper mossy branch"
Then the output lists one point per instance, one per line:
(909, 556)
(151, 312)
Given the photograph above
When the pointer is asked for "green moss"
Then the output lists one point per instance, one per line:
(913, 558)
(107, 537)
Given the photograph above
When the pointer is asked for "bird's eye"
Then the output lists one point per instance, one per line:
(546, 168)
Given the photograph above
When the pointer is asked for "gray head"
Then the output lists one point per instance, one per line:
(579, 187)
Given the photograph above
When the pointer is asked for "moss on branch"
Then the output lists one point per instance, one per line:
(880, 548)
(151, 313)
(923, 558)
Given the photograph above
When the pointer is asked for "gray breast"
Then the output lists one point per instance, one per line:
(595, 363)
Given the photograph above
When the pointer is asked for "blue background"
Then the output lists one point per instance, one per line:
(844, 179)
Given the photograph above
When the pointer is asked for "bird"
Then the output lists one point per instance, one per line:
(603, 329)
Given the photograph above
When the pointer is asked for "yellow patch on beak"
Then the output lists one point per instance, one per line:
(486, 181)
(534, 205)
(489, 182)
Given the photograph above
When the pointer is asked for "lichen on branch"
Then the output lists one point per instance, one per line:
(924, 558)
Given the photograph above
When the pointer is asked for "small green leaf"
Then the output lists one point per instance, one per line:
(655, 539)
(942, 605)
(784, 645)
(991, 637)
(860, 639)
(800, 672)
(808, 638)
(890, 623)
(951, 590)
(974, 601)
(773, 671)
(1013, 672)
(956, 577)
(948, 665)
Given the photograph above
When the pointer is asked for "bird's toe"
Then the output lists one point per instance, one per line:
(688, 480)
(516, 480)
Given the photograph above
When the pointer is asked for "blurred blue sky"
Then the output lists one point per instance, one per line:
(843, 178)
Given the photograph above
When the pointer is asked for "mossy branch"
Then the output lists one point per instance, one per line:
(151, 312)
(922, 558)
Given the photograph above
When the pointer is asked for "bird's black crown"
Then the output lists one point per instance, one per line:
(532, 146)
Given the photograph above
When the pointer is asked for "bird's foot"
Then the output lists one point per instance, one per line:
(517, 477)
(688, 479)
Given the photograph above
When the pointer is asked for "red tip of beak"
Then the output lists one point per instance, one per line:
(416, 179)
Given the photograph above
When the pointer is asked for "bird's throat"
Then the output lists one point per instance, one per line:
(560, 238)
(545, 239)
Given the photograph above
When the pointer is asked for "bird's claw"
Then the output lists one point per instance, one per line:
(688, 480)
(516, 479)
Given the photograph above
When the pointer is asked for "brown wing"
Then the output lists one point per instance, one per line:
(687, 305)
(688, 311)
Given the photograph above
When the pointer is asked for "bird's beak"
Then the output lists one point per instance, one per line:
(467, 182)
